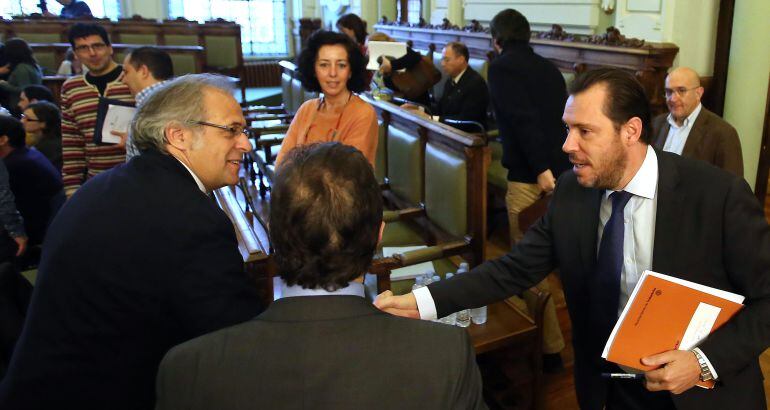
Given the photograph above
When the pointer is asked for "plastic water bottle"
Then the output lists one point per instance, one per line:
(479, 315)
(417, 283)
(463, 316)
(450, 319)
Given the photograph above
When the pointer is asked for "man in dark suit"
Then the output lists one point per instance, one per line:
(323, 345)
(691, 130)
(140, 259)
(465, 94)
(680, 217)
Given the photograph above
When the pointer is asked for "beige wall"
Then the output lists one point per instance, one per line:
(747, 79)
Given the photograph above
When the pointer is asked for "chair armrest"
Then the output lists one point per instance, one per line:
(401, 214)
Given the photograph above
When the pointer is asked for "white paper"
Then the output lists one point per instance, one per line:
(118, 118)
(700, 326)
(407, 272)
(383, 48)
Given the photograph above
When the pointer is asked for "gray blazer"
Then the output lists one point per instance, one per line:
(323, 352)
(711, 139)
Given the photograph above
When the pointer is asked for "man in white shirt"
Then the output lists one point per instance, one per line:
(691, 130)
(322, 345)
(626, 208)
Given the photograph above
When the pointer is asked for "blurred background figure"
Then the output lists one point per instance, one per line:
(71, 65)
(42, 124)
(22, 70)
(32, 94)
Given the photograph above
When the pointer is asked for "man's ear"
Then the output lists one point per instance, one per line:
(144, 72)
(632, 130)
(178, 136)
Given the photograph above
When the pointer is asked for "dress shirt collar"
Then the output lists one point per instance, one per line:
(645, 182)
(195, 177)
(142, 95)
(459, 76)
(687, 123)
(353, 289)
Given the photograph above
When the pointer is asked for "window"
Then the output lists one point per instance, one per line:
(263, 22)
(409, 11)
(99, 8)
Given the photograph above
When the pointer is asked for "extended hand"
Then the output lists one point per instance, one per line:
(405, 305)
(123, 137)
(385, 67)
(679, 373)
(546, 181)
(22, 242)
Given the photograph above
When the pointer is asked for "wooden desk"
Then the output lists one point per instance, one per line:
(505, 326)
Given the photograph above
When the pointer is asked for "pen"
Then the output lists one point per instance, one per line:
(629, 376)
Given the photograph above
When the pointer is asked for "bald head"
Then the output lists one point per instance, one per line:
(683, 93)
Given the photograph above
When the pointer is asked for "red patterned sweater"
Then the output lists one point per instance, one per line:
(82, 158)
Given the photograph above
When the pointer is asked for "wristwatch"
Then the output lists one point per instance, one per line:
(705, 371)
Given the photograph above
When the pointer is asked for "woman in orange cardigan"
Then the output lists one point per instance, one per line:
(332, 64)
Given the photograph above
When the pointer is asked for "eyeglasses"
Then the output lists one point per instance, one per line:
(680, 92)
(97, 47)
(235, 130)
(24, 117)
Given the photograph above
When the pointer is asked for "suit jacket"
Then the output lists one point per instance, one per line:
(528, 94)
(137, 261)
(467, 100)
(711, 139)
(709, 229)
(323, 352)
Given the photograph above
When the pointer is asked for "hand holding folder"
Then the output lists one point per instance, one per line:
(666, 313)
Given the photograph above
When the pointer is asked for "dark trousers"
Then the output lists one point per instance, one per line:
(632, 395)
(15, 292)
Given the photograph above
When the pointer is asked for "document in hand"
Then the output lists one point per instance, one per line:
(112, 115)
(379, 49)
(665, 313)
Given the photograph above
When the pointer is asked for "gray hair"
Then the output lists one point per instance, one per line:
(178, 101)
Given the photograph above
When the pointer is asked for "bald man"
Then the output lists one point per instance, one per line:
(691, 130)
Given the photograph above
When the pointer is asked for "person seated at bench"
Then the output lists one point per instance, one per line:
(22, 70)
(465, 96)
(42, 123)
(32, 94)
(35, 182)
(332, 64)
(323, 342)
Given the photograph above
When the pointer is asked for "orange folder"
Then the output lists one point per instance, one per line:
(665, 313)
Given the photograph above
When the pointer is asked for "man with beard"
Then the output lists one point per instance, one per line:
(624, 209)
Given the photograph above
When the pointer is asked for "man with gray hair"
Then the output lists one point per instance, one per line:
(140, 259)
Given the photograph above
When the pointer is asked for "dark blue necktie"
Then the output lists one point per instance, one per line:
(609, 264)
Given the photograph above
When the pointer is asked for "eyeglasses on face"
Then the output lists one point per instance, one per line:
(680, 92)
(96, 47)
(235, 130)
(30, 119)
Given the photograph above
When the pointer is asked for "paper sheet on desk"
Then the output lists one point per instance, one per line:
(408, 272)
(118, 118)
(383, 48)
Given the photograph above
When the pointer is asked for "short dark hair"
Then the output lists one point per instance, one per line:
(157, 61)
(625, 97)
(325, 215)
(509, 27)
(306, 60)
(353, 22)
(17, 51)
(81, 30)
(48, 113)
(38, 92)
(459, 49)
(13, 129)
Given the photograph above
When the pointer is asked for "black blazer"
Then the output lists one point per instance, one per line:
(709, 229)
(323, 352)
(468, 100)
(137, 261)
(528, 94)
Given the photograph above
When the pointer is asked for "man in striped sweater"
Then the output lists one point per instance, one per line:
(79, 100)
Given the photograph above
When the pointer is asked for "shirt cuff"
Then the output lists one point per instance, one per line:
(425, 303)
(703, 355)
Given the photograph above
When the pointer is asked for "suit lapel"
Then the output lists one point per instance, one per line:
(696, 134)
(662, 134)
(667, 215)
(588, 221)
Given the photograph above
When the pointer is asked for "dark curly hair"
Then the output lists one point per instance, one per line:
(325, 215)
(308, 56)
(17, 51)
